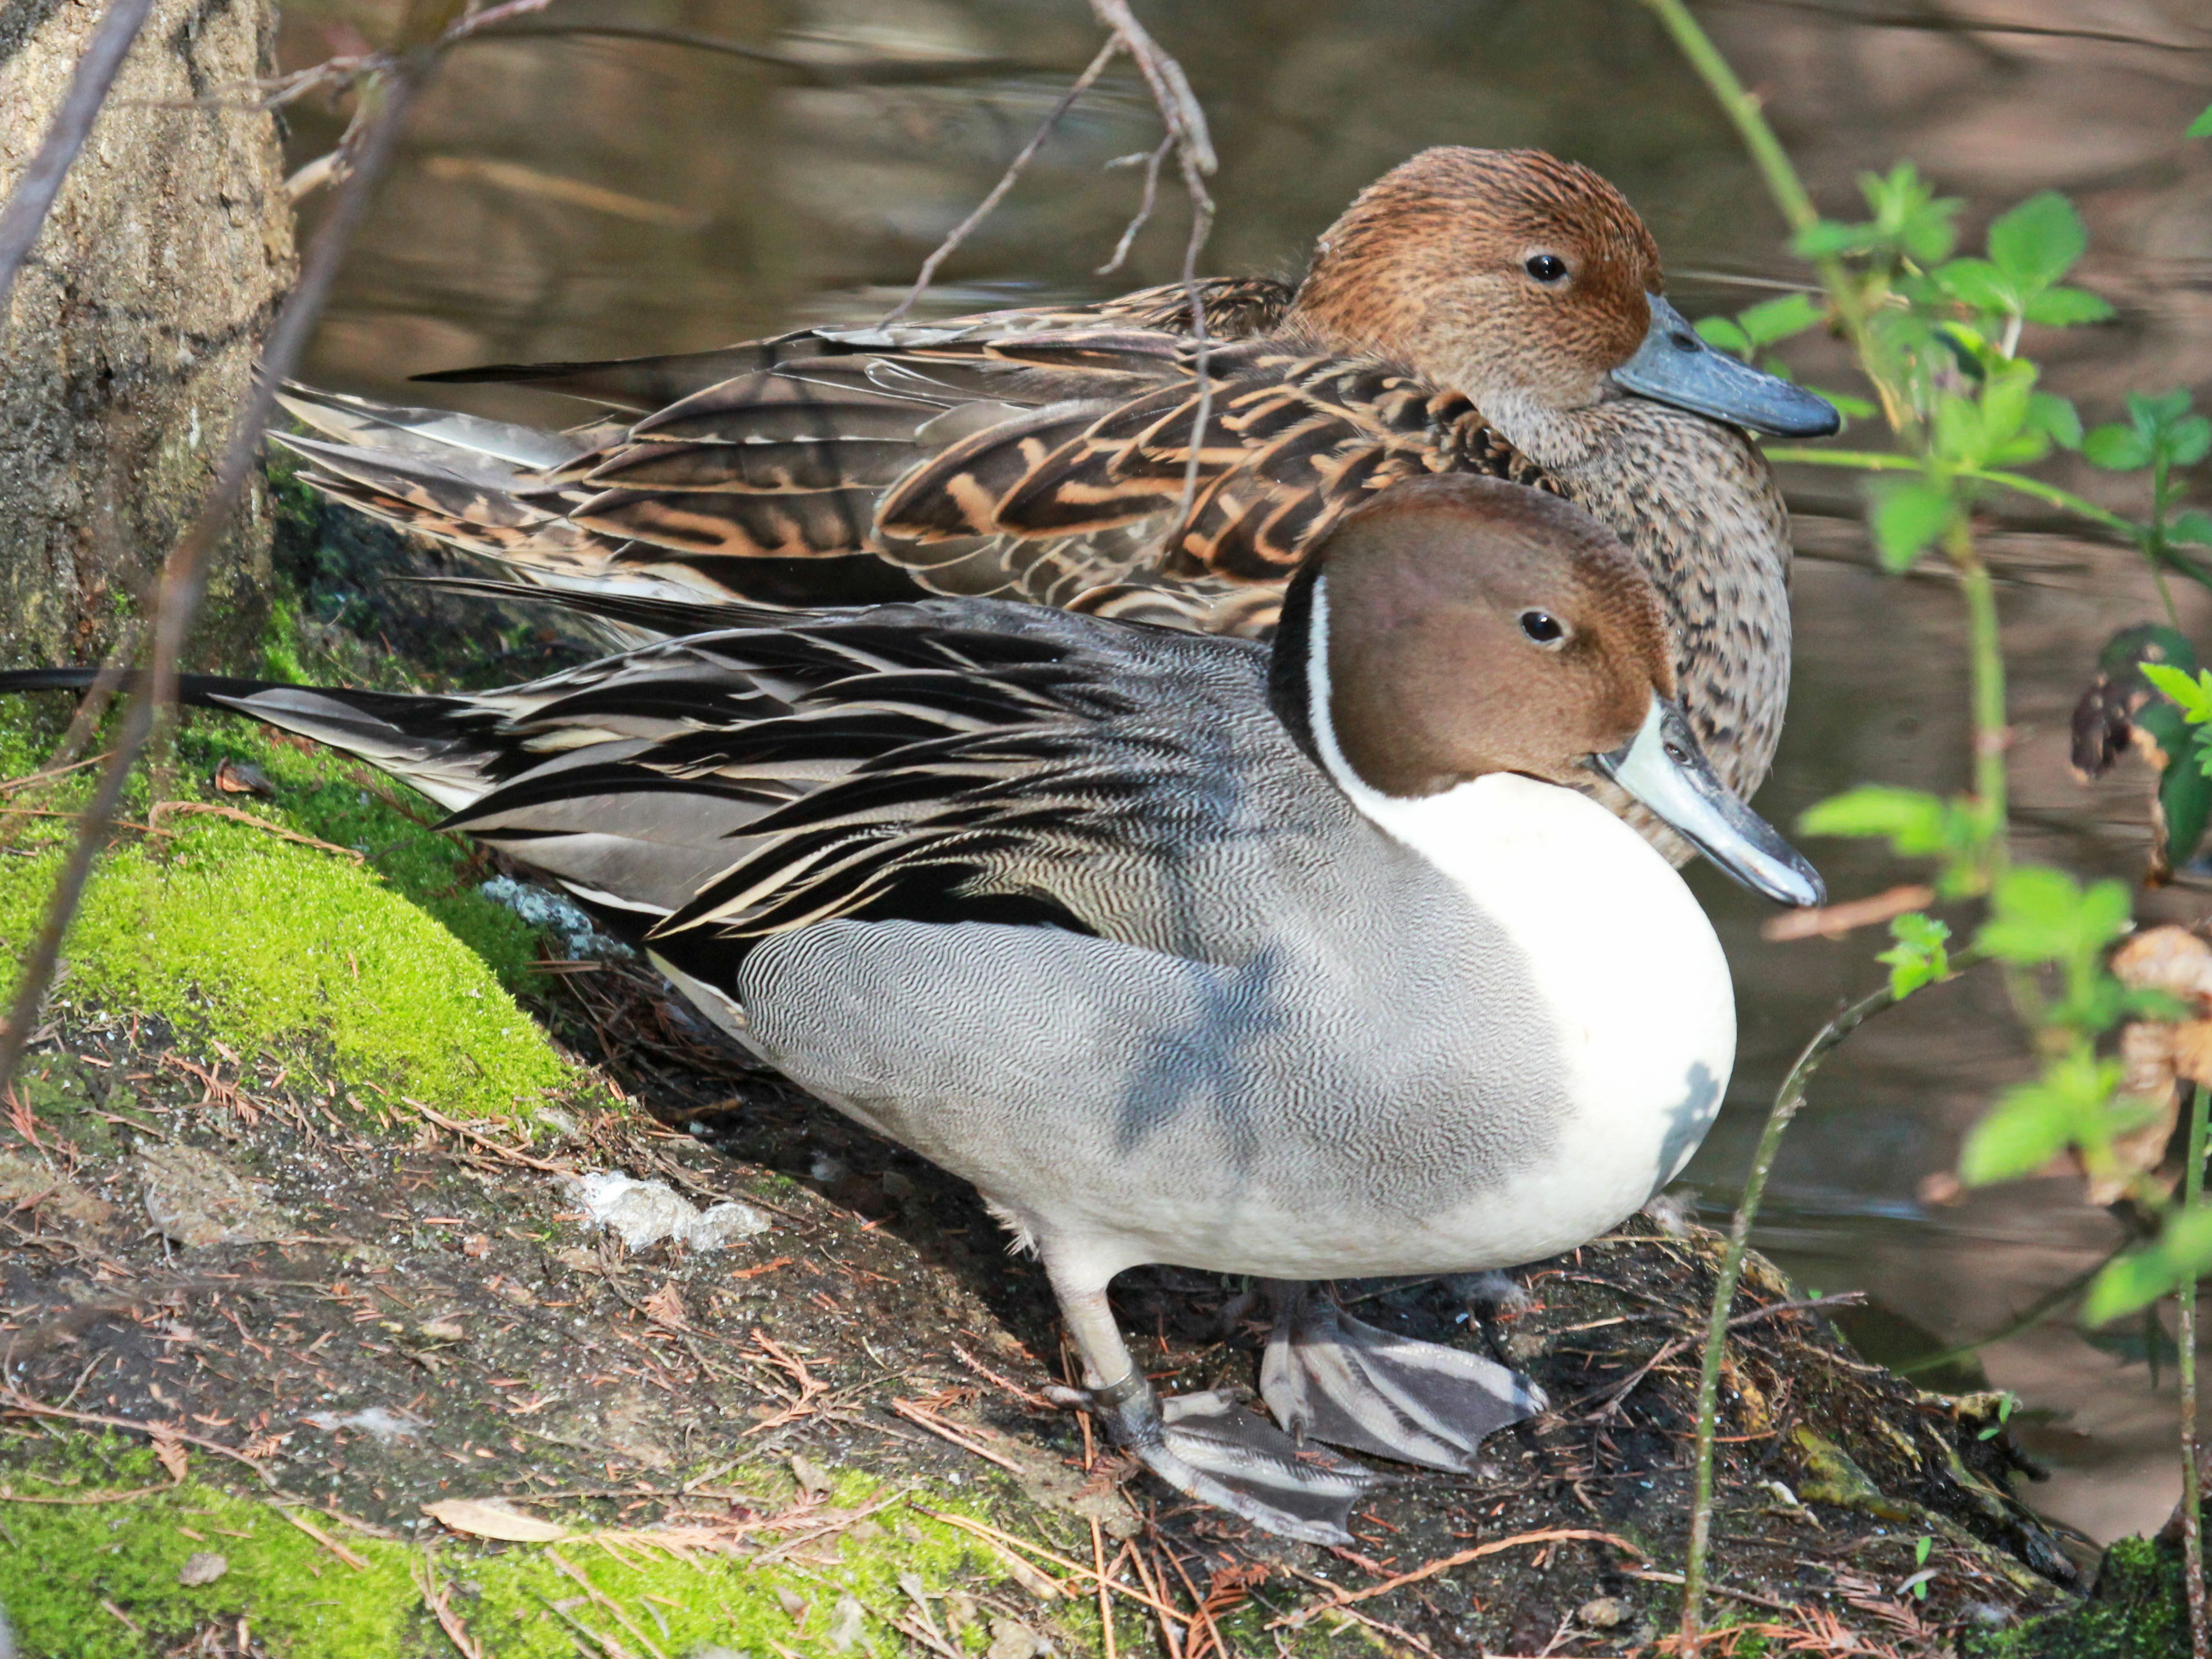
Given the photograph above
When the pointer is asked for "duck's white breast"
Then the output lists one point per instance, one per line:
(1627, 968)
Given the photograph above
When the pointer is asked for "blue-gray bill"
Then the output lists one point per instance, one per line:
(1663, 767)
(1675, 366)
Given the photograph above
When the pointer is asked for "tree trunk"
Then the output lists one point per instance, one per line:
(133, 328)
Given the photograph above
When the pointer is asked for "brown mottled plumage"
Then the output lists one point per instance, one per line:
(1043, 453)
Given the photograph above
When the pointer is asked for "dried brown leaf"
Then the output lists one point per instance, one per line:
(2170, 959)
(665, 1307)
(479, 1519)
(171, 1456)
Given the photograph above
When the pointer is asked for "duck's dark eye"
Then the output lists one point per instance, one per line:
(1545, 267)
(1542, 626)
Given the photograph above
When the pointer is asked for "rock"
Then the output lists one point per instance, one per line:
(197, 1199)
(557, 913)
(202, 1567)
(625, 1423)
(1605, 1613)
(644, 1213)
(1012, 1639)
(383, 1427)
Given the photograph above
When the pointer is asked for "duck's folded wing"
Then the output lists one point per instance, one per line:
(1271, 447)
(480, 486)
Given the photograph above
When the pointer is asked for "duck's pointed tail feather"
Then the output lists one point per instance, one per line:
(435, 744)
(641, 384)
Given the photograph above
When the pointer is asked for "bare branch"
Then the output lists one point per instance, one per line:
(34, 192)
(1201, 225)
(1171, 87)
(1186, 124)
(184, 575)
(491, 16)
(1144, 208)
(958, 233)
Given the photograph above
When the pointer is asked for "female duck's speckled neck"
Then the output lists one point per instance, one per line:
(1698, 504)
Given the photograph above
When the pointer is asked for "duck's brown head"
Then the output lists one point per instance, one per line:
(1456, 626)
(1499, 272)
(1475, 626)
(1529, 284)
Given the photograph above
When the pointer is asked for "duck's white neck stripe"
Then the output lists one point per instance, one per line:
(1400, 817)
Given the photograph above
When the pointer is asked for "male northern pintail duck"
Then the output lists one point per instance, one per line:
(1301, 963)
(1497, 312)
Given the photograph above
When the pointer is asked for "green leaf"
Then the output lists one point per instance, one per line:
(1778, 319)
(2192, 526)
(1921, 1548)
(1829, 239)
(1851, 407)
(2187, 1240)
(2187, 439)
(1978, 283)
(2116, 448)
(1918, 958)
(2056, 417)
(2191, 693)
(2066, 307)
(1720, 332)
(1911, 818)
(1908, 217)
(2127, 1283)
(2039, 914)
(2202, 127)
(1907, 514)
(2139, 1279)
(2036, 243)
(2030, 1125)
(2151, 410)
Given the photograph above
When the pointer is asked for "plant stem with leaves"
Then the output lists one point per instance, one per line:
(1985, 662)
(1787, 1100)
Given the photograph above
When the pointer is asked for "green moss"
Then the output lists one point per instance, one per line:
(66, 1561)
(342, 801)
(235, 934)
(2136, 1613)
(280, 642)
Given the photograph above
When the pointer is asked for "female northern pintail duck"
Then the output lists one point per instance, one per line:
(1298, 963)
(1497, 312)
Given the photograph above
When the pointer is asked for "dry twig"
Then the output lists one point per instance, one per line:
(1445, 1563)
(1015, 169)
(162, 808)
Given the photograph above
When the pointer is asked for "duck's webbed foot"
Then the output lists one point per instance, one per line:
(1327, 1376)
(1207, 1447)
